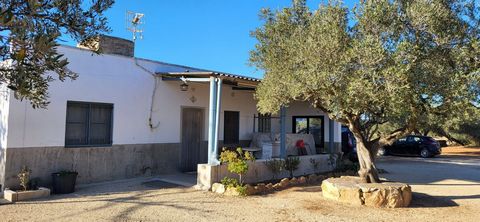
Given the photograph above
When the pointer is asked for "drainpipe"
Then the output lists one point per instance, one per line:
(330, 135)
(283, 130)
(217, 120)
(211, 120)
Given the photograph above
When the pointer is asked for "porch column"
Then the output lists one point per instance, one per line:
(283, 130)
(217, 120)
(331, 135)
(212, 110)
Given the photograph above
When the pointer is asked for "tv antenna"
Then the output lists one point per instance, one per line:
(134, 23)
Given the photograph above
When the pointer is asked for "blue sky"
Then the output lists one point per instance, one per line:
(210, 34)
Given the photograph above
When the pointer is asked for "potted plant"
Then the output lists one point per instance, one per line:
(63, 182)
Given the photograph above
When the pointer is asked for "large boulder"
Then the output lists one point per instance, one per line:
(351, 190)
(387, 194)
(342, 189)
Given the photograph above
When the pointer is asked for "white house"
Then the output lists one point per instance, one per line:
(126, 116)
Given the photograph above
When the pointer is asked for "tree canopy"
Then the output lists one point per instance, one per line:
(383, 62)
(29, 31)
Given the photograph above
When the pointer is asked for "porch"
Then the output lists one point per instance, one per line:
(269, 136)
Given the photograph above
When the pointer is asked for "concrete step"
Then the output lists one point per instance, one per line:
(4, 202)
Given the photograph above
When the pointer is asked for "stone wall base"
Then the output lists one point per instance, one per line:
(258, 171)
(93, 164)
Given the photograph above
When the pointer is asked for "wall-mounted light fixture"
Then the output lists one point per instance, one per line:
(184, 87)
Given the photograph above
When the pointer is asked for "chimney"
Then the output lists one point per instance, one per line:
(109, 45)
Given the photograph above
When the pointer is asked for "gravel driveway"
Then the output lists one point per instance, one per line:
(446, 189)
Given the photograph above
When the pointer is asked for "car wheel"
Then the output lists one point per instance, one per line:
(382, 152)
(425, 153)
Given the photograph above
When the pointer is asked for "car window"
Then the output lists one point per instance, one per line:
(402, 140)
(417, 139)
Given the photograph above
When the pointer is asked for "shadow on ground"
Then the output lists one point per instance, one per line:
(421, 200)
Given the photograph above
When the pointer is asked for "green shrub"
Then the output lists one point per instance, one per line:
(229, 182)
(242, 190)
(291, 164)
(237, 161)
(275, 166)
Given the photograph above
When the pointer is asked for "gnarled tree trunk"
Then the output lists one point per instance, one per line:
(366, 157)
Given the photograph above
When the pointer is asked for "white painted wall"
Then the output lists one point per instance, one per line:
(118, 80)
(4, 104)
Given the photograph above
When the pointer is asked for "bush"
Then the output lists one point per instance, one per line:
(275, 166)
(291, 164)
(24, 177)
(237, 161)
(229, 182)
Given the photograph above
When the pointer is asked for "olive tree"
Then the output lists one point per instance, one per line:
(29, 31)
(382, 62)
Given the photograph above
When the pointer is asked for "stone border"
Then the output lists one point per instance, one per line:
(262, 188)
(14, 196)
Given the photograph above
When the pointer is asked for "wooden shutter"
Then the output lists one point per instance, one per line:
(77, 124)
(100, 124)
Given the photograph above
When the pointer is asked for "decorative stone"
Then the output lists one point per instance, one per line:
(387, 194)
(250, 190)
(260, 188)
(218, 188)
(284, 182)
(277, 186)
(231, 191)
(269, 186)
(351, 190)
(302, 180)
(294, 181)
(342, 190)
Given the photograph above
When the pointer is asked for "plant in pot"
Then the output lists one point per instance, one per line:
(63, 182)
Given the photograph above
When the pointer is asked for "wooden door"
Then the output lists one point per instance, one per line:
(231, 127)
(192, 134)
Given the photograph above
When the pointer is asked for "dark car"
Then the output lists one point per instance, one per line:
(423, 146)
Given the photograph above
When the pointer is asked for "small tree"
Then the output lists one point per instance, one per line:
(275, 166)
(28, 41)
(382, 62)
(24, 177)
(237, 161)
(291, 164)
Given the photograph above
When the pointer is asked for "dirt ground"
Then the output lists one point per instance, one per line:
(446, 188)
(461, 150)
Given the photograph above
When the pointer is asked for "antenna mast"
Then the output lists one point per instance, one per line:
(134, 23)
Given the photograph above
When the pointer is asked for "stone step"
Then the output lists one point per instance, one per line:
(4, 202)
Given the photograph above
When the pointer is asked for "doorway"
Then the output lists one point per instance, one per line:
(192, 135)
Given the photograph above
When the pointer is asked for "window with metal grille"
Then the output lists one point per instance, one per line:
(264, 123)
(88, 124)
